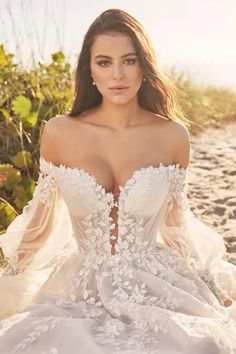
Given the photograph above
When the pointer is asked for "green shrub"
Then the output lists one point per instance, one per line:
(27, 100)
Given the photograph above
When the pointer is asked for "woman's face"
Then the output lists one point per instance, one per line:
(114, 63)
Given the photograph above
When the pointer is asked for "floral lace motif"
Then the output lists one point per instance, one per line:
(45, 187)
(178, 194)
(10, 267)
(133, 336)
(40, 326)
(46, 183)
(210, 280)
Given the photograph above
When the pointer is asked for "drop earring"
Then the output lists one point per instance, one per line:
(144, 79)
(93, 83)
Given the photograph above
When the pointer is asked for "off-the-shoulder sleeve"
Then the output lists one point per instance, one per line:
(35, 243)
(201, 246)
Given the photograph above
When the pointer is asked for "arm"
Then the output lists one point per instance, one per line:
(196, 242)
(37, 241)
(30, 230)
(50, 145)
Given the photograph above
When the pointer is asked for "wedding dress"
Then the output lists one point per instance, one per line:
(62, 290)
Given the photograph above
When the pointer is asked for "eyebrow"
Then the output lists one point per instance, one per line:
(123, 56)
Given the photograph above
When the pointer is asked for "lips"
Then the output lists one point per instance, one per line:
(119, 91)
(118, 87)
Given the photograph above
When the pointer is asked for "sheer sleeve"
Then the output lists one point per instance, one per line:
(35, 243)
(201, 247)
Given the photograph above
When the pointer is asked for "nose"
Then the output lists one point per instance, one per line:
(117, 71)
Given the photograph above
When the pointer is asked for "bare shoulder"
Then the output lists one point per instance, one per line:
(179, 135)
(56, 123)
(174, 130)
(52, 133)
(179, 130)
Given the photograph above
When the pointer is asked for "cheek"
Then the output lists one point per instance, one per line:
(98, 73)
(135, 73)
(103, 79)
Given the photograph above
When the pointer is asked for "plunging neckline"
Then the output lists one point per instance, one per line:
(121, 187)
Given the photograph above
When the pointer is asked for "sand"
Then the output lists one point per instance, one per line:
(212, 182)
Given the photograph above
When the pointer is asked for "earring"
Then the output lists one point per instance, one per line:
(144, 79)
(94, 83)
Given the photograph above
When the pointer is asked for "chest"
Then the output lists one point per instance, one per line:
(113, 158)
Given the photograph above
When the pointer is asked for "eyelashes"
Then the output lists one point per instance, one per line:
(101, 62)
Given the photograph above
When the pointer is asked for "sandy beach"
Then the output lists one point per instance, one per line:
(212, 182)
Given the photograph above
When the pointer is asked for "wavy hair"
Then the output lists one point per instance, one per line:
(157, 94)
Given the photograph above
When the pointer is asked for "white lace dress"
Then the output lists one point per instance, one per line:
(62, 291)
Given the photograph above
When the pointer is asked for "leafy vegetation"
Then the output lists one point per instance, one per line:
(27, 101)
(204, 106)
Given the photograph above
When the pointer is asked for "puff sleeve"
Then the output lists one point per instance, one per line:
(35, 243)
(201, 246)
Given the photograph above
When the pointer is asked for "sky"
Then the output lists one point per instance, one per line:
(196, 37)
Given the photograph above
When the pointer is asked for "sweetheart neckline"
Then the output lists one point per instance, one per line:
(133, 175)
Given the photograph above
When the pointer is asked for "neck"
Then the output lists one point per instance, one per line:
(119, 116)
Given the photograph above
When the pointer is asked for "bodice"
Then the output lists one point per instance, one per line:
(140, 206)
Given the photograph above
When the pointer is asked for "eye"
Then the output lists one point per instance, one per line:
(104, 62)
(101, 62)
(131, 60)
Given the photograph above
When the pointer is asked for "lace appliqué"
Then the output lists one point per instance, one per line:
(45, 187)
(40, 327)
(10, 267)
(133, 336)
(179, 235)
(46, 183)
(209, 279)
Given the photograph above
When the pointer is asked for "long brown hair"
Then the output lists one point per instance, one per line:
(157, 94)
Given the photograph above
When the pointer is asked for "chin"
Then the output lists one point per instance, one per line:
(121, 99)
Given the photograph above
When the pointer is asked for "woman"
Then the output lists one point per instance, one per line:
(107, 256)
